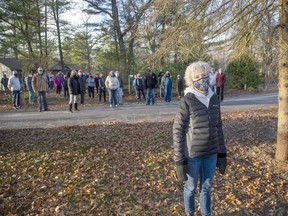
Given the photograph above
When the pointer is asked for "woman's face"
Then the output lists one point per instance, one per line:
(199, 74)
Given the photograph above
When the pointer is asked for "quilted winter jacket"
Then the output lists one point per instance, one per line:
(197, 130)
(74, 86)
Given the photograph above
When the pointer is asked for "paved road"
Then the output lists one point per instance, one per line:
(126, 113)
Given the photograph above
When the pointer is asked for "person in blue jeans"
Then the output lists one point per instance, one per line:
(40, 85)
(112, 84)
(150, 85)
(14, 86)
(198, 139)
(28, 81)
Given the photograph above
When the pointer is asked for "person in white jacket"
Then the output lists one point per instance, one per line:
(14, 86)
(112, 84)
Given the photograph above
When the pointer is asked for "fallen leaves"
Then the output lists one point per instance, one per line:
(127, 169)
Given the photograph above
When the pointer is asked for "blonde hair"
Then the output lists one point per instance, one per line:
(192, 68)
(73, 73)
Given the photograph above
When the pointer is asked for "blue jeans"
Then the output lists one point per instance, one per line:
(16, 98)
(168, 95)
(31, 96)
(205, 168)
(43, 94)
(150, 91)
(113, 96)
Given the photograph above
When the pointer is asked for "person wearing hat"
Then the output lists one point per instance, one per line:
(40, 85)
(198, 139)
(14, 86)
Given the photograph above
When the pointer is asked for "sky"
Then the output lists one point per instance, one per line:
(75, 16)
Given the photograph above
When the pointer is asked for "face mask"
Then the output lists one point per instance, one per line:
(202, 85)
(40, 72)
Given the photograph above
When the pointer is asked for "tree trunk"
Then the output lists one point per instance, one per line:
(117, 27)
(282, 133)
(46, 33)
(57, 21)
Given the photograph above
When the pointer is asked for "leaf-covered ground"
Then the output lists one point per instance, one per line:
(127, 169)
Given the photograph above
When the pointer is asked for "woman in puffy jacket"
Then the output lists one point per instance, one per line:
(74, 89)
(198, 139)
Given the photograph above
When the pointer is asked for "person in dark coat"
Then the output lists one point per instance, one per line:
(82, 81)
(167, 87)
(150, 85)
(220, 83)
(102, 88)
(74, 88)
(4, 82)
(198, 139)
(65, 87)
(179, 86)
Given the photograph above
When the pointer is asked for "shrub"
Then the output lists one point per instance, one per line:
(243, 70)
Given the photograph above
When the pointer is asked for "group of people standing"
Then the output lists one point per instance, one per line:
(150, 83)
(164, 80)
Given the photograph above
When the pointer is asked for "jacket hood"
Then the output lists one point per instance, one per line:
(205, 99)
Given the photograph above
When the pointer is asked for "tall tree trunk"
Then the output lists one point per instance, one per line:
(57, 21)
(282, 133)
(46, 33)
(116, 23)
(41, 60)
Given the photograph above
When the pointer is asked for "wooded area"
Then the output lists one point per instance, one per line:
(163, 34)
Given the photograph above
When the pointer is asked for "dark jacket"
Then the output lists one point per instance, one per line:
(74, 86)
(150, 80)
(197, 130)
(180, 84)
(65, 83)
(97, 79)
(82, 82)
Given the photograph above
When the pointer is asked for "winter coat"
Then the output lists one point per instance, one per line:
(139, 83)
(39, 82)
(112, 83)
(14, 83)
(90, 82)
(97, 81)
(82, 81)
(180, 84)
(168, 83)
(220, 79)
(150, 80)
(197, 130)
(102, 82)
(4, 81)
(74, 86)
(58, 81)
(65, 83)
(134, 83)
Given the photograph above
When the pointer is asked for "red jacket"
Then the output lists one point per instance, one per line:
(220, 79)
